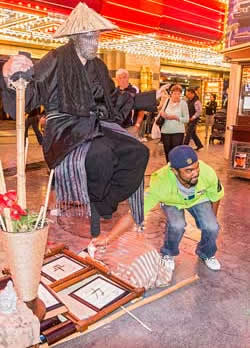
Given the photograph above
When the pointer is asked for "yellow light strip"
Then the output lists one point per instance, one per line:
(16, 22)
(165, 16)
(133, 9)
(56, 4)
(185, 11)
(194, 36)
(20, 7)
(208, 8)
(154, 29)
(125, 21)
(194, 24)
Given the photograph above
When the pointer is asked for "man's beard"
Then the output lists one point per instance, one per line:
(191, 182)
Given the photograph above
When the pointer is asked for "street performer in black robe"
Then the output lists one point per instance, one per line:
(97, 163)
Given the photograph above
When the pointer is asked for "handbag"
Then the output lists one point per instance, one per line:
(160, 120)
(155, 132)
(158, 123)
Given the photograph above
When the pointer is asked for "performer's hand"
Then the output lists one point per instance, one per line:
(100, 241)
(162, 89)
(15, 64)
(134, 131)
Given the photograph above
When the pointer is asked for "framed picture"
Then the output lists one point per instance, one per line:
(53, 304)
(240, 160)
(62, 267)
(99, 293)
(46, 295)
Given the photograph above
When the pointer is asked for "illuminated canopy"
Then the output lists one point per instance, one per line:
(196, 23)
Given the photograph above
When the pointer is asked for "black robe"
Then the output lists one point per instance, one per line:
(115, 163)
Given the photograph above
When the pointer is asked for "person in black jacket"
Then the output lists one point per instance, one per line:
(210, 112)
(135, 117)
(194, 108)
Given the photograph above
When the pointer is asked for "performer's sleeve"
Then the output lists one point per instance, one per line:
(123, 105)
(36, 92)
(146, 101)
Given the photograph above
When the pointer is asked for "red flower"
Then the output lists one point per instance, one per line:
(11, 195)
(14, 214)
(2, 201)
(17, 208)
(8, 200)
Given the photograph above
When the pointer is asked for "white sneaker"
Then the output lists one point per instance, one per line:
(212, 263)
(168, 261)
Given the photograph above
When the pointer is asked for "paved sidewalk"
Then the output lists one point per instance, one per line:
(212, 313)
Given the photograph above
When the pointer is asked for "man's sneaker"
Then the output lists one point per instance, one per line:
(168, 261)
(212, 263)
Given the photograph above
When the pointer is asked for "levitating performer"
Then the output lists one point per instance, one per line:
(97, 163)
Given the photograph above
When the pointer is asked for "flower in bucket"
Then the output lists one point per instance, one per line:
(21, 220)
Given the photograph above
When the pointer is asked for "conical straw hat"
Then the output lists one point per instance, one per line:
(83, 20)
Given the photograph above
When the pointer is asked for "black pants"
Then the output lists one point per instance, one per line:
(191, 134)
(170, 141)
(33, 121)
(115, 166)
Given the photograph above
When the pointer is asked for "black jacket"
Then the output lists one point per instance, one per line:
(211, 108)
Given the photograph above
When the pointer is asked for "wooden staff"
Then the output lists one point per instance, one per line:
(20, 86)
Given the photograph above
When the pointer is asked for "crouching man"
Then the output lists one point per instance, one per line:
(186, 183)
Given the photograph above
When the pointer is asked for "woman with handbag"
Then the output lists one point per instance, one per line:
(175, 115)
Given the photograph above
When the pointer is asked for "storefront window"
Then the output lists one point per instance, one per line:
(244, 101)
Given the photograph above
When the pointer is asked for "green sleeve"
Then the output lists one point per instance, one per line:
(151, 199)
(215, 190)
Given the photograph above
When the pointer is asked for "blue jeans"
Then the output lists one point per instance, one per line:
(175, 227)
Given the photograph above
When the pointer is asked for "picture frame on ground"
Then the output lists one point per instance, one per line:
(99, 293)
(63, 267)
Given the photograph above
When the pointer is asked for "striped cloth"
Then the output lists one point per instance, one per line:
(134, 260)
(71, 181)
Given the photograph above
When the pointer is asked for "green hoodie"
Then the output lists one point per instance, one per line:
(163, 189)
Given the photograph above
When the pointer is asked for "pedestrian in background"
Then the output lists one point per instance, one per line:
(176, 115)
(210, 112)
(194, 108)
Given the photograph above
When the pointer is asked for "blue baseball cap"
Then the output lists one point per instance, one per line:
(182, 156)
